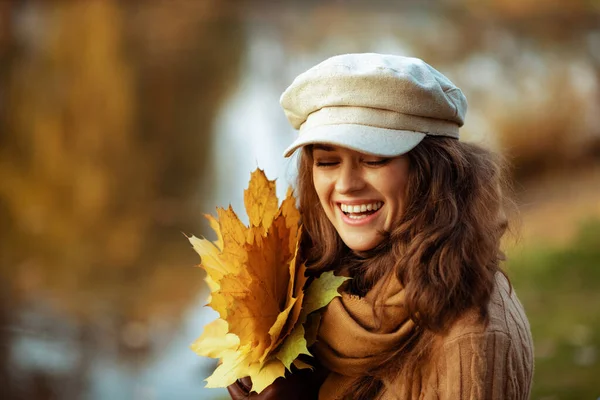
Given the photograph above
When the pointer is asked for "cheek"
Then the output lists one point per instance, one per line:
(396, 189)
(323, 188)
(400, 192)
(320, 187)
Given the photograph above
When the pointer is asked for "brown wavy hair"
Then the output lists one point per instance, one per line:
(445, 249)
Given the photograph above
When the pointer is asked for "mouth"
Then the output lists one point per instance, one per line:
(357, 212)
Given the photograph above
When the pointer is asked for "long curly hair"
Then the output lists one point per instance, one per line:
(445, 249)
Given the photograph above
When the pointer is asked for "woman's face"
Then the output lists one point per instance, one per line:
(361, 194)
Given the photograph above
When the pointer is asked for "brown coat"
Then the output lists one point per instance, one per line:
(474, 361)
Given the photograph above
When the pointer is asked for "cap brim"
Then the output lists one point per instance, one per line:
(363, 138)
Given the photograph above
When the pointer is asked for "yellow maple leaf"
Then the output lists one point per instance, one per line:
(260, 200)
(215, 340)
(257, 287)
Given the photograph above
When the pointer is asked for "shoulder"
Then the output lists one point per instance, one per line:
(506, 318)
(488, 359)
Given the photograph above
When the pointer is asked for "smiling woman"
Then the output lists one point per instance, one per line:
(361, 194)
(391, 198)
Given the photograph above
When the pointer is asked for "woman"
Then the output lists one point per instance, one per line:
(390, 197)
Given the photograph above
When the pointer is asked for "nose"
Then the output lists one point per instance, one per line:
(350, 179)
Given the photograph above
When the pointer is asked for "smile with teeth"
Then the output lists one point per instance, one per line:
(360, 211)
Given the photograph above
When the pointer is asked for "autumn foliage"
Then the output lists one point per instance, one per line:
(258, 288)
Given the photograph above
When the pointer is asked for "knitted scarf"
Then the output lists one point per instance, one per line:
(355, 331)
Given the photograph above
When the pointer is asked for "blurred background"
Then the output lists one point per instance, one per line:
(121, 123)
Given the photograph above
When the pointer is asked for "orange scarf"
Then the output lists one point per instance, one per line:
(355, 331)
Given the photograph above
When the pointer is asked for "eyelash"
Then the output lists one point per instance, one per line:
(378, 162)
(370, 163)
(325, 164)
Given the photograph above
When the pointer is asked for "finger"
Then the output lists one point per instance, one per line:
(237, 392)
(246, 382)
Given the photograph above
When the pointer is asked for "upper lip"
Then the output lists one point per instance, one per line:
(357, 202)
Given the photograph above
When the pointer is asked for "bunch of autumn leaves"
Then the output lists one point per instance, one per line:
(266, 314)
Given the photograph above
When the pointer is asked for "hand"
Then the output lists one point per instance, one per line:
(300, 385)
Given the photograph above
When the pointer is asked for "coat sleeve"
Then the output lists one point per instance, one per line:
(489, 365)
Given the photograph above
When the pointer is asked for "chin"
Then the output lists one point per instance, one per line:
(362, 245)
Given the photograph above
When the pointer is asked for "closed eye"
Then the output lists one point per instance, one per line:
(325, 164)
(375, 163)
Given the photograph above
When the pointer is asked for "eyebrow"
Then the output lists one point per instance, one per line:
(323, 147)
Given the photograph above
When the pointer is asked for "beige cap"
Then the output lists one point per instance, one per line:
(373, 103)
